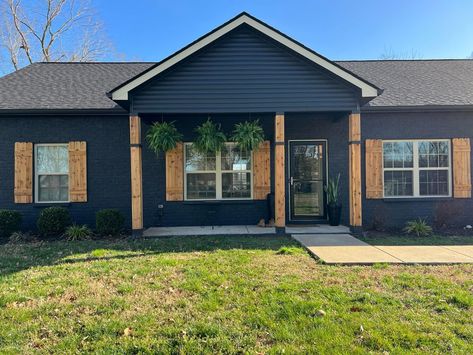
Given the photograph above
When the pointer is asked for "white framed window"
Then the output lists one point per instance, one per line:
(51, 173)
(417, 168)
(225, 175)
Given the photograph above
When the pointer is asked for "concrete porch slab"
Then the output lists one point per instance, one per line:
(317, 229)
(206, 230)
(426, 254)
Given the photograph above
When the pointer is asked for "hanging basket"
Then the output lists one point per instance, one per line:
(163, 137)
(248, 135)
(210, 138)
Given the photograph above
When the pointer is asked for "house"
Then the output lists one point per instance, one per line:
(398, 132)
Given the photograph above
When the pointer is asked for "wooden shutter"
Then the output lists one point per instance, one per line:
(374, 168)
(175, 174)
(23, 172)
(78, 171)
(262, 171)
(461, 168)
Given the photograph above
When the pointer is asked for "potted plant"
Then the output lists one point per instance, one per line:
(210, 138)
(334, 206)
(163, 136)
(248, 135)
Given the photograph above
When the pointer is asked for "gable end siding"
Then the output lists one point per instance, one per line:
(244, 71)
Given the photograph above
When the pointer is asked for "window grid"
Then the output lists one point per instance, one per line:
(416, 169)
(218, 176)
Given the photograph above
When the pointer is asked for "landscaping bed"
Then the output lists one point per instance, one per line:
(223, 295)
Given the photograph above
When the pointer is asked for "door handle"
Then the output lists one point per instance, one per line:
(292, 181)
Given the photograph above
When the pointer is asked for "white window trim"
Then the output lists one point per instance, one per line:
(416, 169)
(218, 178)
(36, 174)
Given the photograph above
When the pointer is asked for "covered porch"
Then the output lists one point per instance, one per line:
(246, 70)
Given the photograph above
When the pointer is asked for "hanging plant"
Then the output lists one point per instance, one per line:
(248, 135)
(163, 136)
(210, 138)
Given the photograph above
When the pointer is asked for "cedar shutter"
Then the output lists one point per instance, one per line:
(23, 172)
(262, 171)
(175, 173)
(374, 168)
(77, 171)
(461, 168)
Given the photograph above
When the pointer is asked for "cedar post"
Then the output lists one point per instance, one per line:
(280, 174)
(354, 151)
(136, 175)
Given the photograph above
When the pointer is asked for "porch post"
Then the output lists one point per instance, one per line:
(354, 151)
(136, 175)
(280, 174)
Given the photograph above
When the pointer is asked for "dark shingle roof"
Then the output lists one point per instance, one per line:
(65, 85)
(84, 85)
(418, 82)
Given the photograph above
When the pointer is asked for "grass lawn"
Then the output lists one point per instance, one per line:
(224, 295)
(402, 239)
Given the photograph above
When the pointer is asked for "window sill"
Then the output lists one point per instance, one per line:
(51, 204)
(218, 202)
(417, 199)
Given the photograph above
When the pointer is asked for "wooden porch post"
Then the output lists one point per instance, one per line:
(354, 151)
(136, 175)
(280, 174)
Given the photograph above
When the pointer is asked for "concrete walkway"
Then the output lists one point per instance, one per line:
(346, 249)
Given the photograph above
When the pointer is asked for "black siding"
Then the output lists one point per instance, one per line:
(245, 71)
(108, 161)
(446, 125)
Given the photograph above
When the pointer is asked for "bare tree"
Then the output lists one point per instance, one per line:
(471, 56)
(50, 31)
(389, 53)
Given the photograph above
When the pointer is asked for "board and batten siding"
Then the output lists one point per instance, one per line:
(244, 71)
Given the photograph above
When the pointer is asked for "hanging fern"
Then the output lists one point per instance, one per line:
(210, 138)
(248, 135)
(163, 136)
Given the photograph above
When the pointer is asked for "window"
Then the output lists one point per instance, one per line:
(224, 175)
(52, 173)
(416, 168)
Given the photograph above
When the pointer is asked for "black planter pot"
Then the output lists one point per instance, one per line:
(334, 214)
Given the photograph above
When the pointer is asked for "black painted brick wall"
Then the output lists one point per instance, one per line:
(395, 212)
(188, 213)
(108, 161)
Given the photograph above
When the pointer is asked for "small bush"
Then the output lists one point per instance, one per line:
(10, 221)
(109, 222)
(21, 238)
(418, 227)
(53, 221)
(77, 232)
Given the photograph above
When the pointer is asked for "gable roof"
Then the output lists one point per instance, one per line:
(83, 86)
(367, 89)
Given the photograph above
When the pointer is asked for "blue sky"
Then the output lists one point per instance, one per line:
(150, 30)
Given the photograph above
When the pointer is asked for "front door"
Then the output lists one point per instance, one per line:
(307, 179)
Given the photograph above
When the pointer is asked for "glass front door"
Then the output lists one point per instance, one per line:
(307, 180)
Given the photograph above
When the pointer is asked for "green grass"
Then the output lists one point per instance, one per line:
(224, 295)
(403, 239)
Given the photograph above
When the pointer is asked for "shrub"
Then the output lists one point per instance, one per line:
(418, 227)
(20, 238)
(53, 221)
(109, 222)
(77, 232)
(10, 221)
